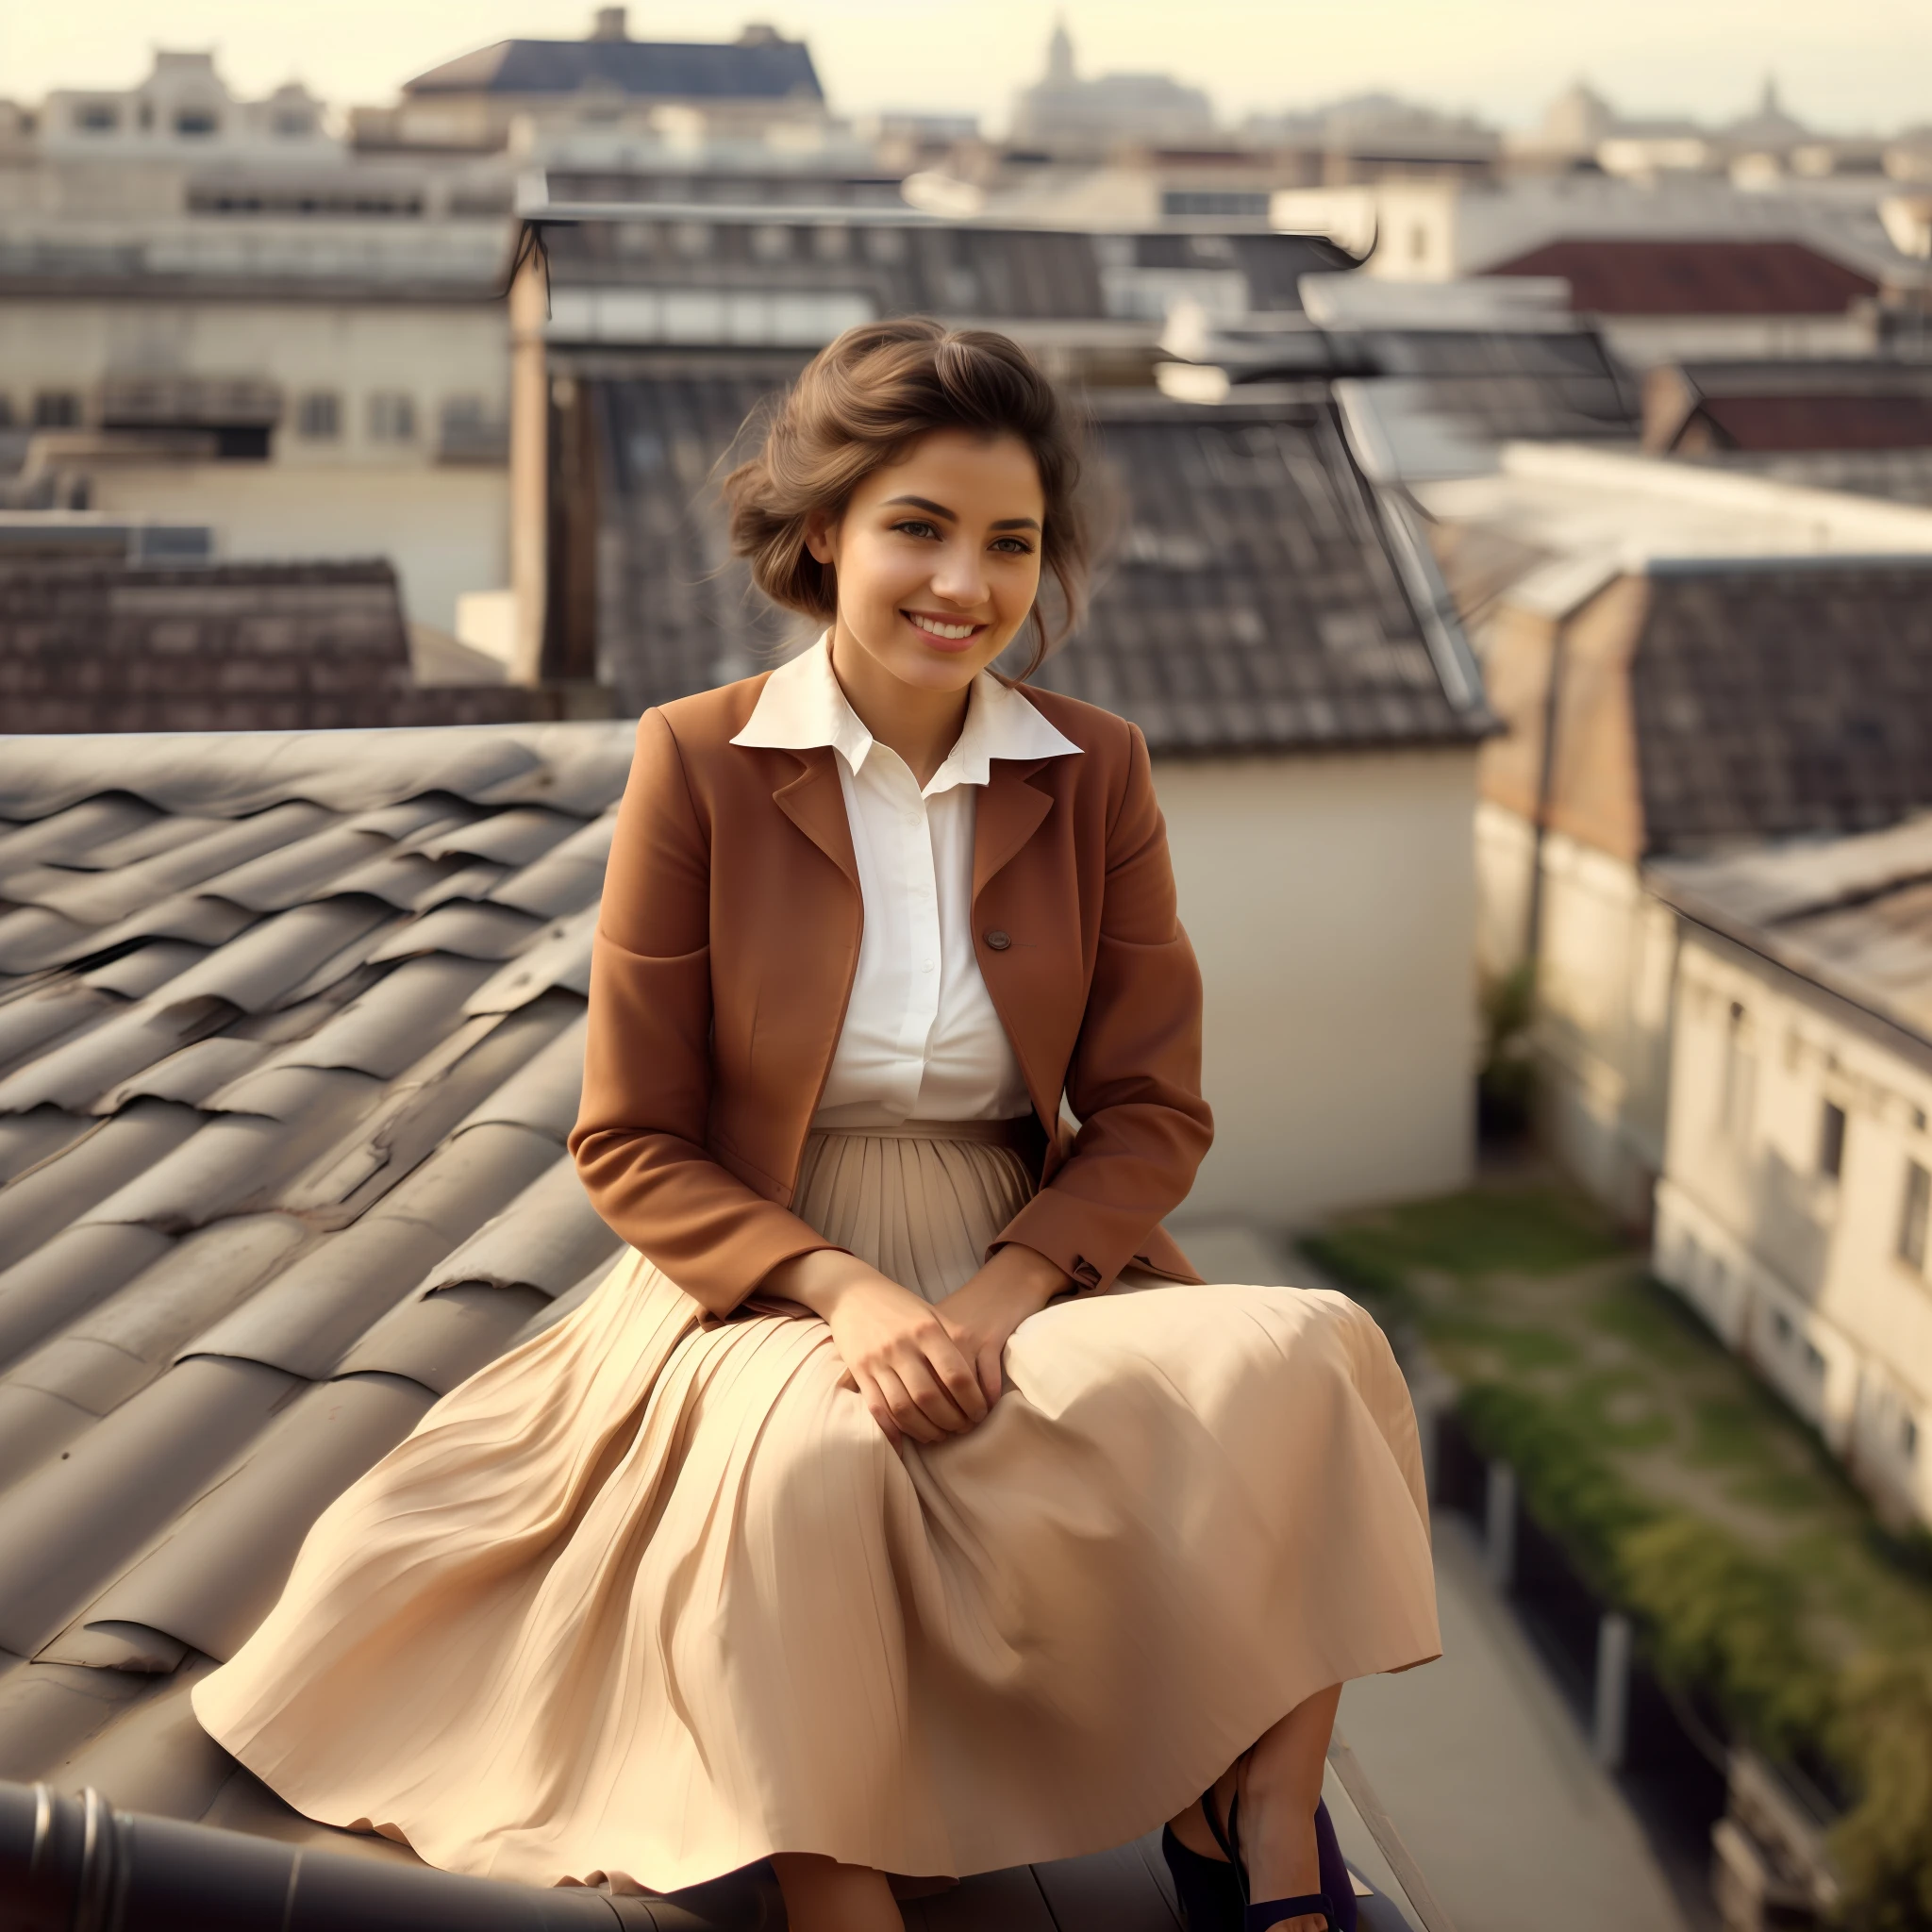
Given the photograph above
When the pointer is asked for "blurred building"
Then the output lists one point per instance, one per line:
(1064, 115)
(1794, 1209)
(1688, 663)
(1676, 269)
(219, 312)
(760, 88)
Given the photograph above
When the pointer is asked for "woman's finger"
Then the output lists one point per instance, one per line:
(916, 1371)
(991, 1376)
(878, 1407)
(959, 1376)
(907, 1413)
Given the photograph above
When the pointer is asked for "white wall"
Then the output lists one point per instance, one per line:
(446, 530)
(1795, 1269)
(1332, 902)
(1606, 959)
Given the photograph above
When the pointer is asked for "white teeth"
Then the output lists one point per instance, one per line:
(935, 628)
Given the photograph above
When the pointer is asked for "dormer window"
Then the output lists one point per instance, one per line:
(294, 126)
(195, 124)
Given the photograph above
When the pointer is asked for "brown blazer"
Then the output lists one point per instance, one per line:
(725, 956)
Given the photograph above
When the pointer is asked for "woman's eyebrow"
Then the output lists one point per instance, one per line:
(939, 510)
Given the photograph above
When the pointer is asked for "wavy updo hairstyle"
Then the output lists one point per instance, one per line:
(862, 403)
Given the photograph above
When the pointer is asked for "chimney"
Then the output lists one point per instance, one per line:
(608, 23)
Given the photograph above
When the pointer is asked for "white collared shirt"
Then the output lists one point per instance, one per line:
(921, 1040)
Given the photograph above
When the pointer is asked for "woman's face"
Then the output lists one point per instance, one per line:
(937, 558)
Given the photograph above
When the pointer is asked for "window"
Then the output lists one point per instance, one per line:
(195, 124)
(770, 242)
(319, 416)
(1738, 1100)
(1831, 1140)
(392, 417)
(97, 117)
(56, 408)
(1918, 1209)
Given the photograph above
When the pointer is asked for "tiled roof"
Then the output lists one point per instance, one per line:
(1794, 405)
(87, 645)
(1624, 276)
(290, 1036)
(908, 266)
(1851, 915)
(771, 69)
(1781, 696)
(1259, 597)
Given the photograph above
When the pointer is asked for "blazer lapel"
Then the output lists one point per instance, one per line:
(1010, 812)
(816, 804)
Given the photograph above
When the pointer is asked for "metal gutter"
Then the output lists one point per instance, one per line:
(71, 1864)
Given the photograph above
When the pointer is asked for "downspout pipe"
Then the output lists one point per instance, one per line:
(76, 1864)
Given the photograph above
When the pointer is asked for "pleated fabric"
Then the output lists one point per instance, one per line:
(650, 1597)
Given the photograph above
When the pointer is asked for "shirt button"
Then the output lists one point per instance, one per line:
(998, 940)
(926, 965)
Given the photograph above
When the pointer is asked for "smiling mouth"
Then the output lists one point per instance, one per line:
(940, 629)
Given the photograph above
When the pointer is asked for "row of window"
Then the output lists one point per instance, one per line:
(189, 123)
(50, 408)
(389, 415)
(1735, 1101)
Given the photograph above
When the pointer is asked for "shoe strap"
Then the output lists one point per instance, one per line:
(1271, 1912)
(1228, 1837)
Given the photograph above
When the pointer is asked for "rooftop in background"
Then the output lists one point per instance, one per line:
(1575, 517)
(759, 65)
(637, 272)
(1263, 596)
(101, 643)
(1701, 704)
(1431, 376)
(1800, 404)
(1645, 275)
(1852, 915)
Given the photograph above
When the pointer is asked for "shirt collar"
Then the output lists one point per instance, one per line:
(803, 706)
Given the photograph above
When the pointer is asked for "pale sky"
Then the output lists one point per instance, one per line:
(1843, 64)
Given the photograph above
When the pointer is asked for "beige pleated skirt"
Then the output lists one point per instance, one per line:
(650, 1597)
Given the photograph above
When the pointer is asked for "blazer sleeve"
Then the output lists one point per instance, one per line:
(1134, 1080)
(639, 1142)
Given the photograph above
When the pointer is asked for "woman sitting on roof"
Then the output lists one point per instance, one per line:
(903, 1505)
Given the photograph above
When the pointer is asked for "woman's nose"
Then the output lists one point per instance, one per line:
(961, 577)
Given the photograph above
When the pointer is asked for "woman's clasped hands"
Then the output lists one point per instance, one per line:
(925, 1370)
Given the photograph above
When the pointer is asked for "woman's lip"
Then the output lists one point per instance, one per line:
(940, 643)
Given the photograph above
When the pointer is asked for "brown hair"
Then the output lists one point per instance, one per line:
(861, 403)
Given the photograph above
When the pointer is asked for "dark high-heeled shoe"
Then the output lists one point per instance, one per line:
(1334, 1901)
(1207, 1889)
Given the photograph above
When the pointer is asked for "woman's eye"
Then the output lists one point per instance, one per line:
(913, 528)
(1013, 546)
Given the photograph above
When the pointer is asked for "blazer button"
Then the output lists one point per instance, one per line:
(998, 940)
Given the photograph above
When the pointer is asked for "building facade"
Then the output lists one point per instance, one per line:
(1793, 1207)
